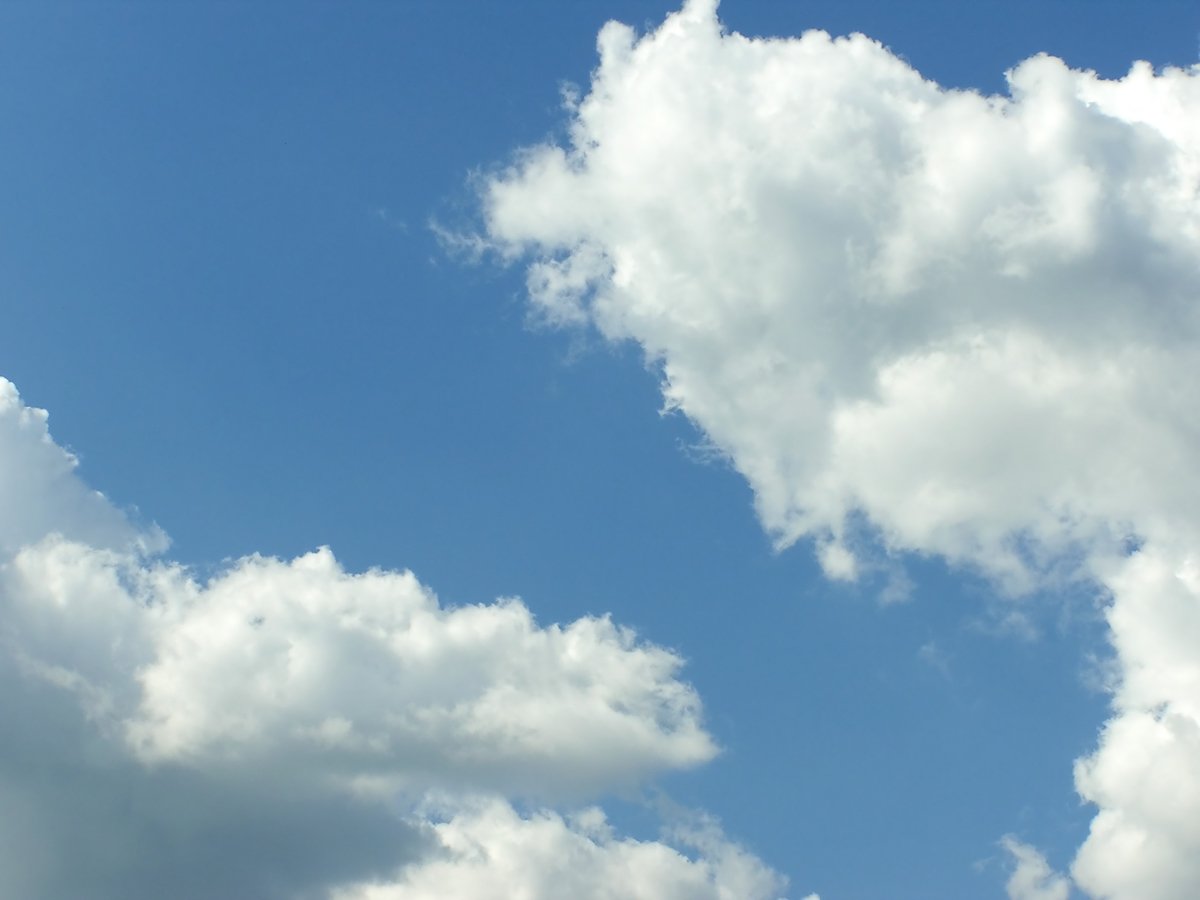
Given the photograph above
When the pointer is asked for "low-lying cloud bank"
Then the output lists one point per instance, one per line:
(274, 731)
(919, 319)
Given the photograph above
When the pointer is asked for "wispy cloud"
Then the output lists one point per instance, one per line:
(932, 655)
(1032, 877)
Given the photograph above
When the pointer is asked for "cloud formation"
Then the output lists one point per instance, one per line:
(1145, 775)
(40, 491)
(1032, 877)
(362, 675)
(917, 319)
(490, 851)
(862, 286)
(271, 731)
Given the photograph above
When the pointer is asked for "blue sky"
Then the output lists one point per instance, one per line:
(220, 274)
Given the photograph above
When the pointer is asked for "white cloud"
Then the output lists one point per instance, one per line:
(1145, 775)
(968, 317)
(1032, 877)
(266, 732)
(943, 322)
(362, 676)
(40, 491)
(489, 851)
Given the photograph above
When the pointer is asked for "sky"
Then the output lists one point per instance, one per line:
(603, 449)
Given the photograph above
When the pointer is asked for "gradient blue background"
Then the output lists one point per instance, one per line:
(216, 272)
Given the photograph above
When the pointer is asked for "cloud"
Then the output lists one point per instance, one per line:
(40, 491)
(491, 851)
(359, 675)
(935, 657)
(1032, 878)
(84, 819)
(915, 319)
(863, 287)
(272, 731)
(1145, 775)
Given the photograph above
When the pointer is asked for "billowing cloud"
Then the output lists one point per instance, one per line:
(270, 731)
(489, 851)
(871, 292)
(916, 319)
(362, 676)
(1145, 775)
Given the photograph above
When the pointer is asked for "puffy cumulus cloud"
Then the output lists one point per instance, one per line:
(1145, 775)
(1032, 877)
(970, 318)
(917, 319)
(490, 851)
(270, 732)
(363, 677)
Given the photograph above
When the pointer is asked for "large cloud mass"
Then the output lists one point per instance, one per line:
(918, 319)
(270, 732)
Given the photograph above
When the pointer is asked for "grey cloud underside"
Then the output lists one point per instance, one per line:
(918, 319)
(84, 820)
